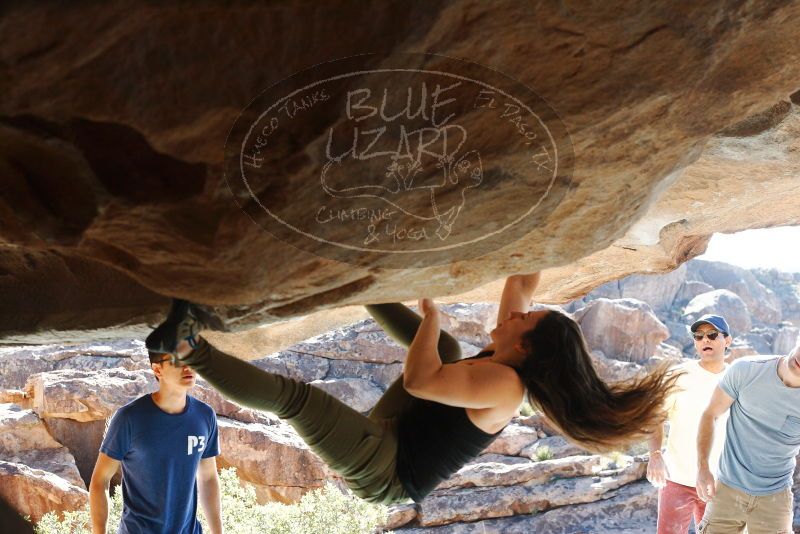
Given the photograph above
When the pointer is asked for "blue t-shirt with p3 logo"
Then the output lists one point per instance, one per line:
(763, 432)
(160, 453)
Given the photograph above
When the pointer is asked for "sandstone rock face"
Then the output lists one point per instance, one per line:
(113, 197)
(24, 439)
(18, 363)
(513, 439)
(720, 302)
(361, 395)
(630, 509)
(499, 470)
(272, 458)
(624, 329)
(657, 291)
(689, 290)
(461, 505)
(86, 396)
(763, 304)
(35, 492)
(612, 370)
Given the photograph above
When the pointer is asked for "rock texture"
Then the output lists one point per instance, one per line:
(24, 439)
(273, 459)
(113, 134)
(529, 480)
(35, 492)
(624, 329)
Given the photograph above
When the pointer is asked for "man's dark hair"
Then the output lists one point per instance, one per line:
(155, 357)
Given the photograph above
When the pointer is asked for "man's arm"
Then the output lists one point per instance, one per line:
(104, 469)
(657, 471)
(209, 494)
(720, 403)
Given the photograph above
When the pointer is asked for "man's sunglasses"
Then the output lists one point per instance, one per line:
(698, 336)
(175, 362)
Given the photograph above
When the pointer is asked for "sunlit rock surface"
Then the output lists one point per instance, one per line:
(114, 119)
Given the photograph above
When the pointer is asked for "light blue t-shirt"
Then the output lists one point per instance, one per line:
(160, 453)
(763, 432)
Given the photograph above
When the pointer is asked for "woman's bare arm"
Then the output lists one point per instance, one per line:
(470, 386)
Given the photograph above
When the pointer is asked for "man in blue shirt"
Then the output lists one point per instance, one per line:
(166, 443)
(762, 439)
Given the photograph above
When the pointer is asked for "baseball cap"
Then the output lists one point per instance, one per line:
(717, 321)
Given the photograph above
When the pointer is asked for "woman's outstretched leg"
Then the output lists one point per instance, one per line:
(361, 450)
(401, 324)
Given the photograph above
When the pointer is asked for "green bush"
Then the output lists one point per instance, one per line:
(323, 511)
(542, 454)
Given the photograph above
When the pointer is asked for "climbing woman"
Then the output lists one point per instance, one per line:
(442, 411)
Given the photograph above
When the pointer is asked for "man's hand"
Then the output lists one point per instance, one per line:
(706, 485)
(427, 307)
(657, 472)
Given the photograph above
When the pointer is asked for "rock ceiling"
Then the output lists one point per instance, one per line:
(123, 128)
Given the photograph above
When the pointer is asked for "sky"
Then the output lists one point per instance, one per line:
(777, 248)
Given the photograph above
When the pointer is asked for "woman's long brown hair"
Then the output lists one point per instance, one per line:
(562, 382)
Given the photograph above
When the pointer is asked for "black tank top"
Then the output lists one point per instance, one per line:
(434, 441)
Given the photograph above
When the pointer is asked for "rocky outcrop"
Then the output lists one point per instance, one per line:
(24, 439)
(17, 363)
(630, 509)
(448, 506)
(623, 329)
(271, 458)
(762, 303)
(35, 492)
(113, 197)
(720, 302)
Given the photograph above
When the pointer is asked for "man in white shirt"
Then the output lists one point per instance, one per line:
(675, 471)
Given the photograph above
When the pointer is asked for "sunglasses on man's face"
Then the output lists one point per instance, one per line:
(175, 362)
(712, 335)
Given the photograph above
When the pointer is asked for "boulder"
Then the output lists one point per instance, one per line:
(763, 303)
(20, 362)
(295, 363)
(470, 323)
(273, 459)
(361, 395)
(657, 290)
(786, 338)
(689, 290)
(614, 370)
(24, 439)
(499, 470)
(513, 439)
(625, 329)
(720, 302)
(86, 396)
(631, 509)
(83, 440)
(471, 504)
(364, 341)
(552, 447)
(34, 492)
(382, 375)
(14, 396)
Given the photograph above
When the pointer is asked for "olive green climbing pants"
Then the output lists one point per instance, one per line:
(362, 449)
